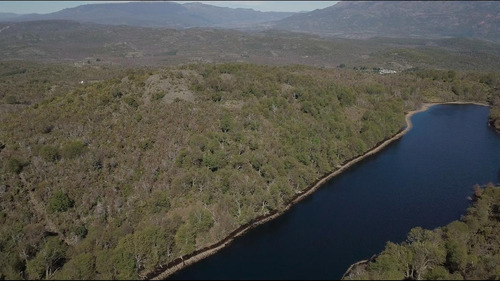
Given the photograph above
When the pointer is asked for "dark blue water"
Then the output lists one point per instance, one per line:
(421, 180)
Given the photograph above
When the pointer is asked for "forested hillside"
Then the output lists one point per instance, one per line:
(118, 176)
(466, 249)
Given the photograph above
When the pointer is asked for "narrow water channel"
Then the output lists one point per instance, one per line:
(423, 179)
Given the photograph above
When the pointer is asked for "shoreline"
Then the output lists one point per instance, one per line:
(357, 264)
(166, 270)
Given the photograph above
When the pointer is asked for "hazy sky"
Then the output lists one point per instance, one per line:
(43, 7)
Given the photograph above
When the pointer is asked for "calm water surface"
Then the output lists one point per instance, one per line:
(421, 180)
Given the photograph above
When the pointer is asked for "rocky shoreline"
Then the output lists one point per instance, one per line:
(494, 123)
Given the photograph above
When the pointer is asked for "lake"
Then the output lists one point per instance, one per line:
(423, 179)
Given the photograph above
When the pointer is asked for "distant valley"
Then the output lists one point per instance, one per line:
(99, 45)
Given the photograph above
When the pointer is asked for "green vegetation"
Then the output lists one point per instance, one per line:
(13, 165)
(466, 249)
(47, 260)
(133, 171)
(60, 202)
(49, 153)
(28, 83)
(72, 149)
(90, 48)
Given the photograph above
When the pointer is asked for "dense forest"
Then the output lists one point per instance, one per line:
(466, 249)
(120, 171)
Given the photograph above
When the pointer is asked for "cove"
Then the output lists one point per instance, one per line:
(422, 179)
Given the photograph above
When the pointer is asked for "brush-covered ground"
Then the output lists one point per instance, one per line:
(132, 169)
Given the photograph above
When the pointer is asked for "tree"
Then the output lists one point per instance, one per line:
(60, 202)
(47, 260)
(201, 220)
(456, 256)
(151, 247)
(185, 239)
(80, 267)
(104, 265)
(393, 263)
(123, 258)
(437, 273)
(428, 251)
(159, 202)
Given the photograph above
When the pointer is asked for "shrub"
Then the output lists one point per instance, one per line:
(13, 166)
(131, 102)
(47, 129)
(49, 153)
(158, 96)
(226, 124)
(72, 149)
(138, 118)
(81, 231)
(374, 89)
(146, 144)
(216, 97)
(11, 100)
(116, 93)
(60, 202)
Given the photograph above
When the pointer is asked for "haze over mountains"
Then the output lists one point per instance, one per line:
(402, 35)
(359, 20)
(8, 16)
(161, 14)
(430, 19)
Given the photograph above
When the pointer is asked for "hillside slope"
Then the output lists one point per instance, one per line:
(120, 176)
(160, 14)
(429, 19)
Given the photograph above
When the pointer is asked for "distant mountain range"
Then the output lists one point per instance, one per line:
(430, 19)
(8, 16)
(355, 19)
(159, 14)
